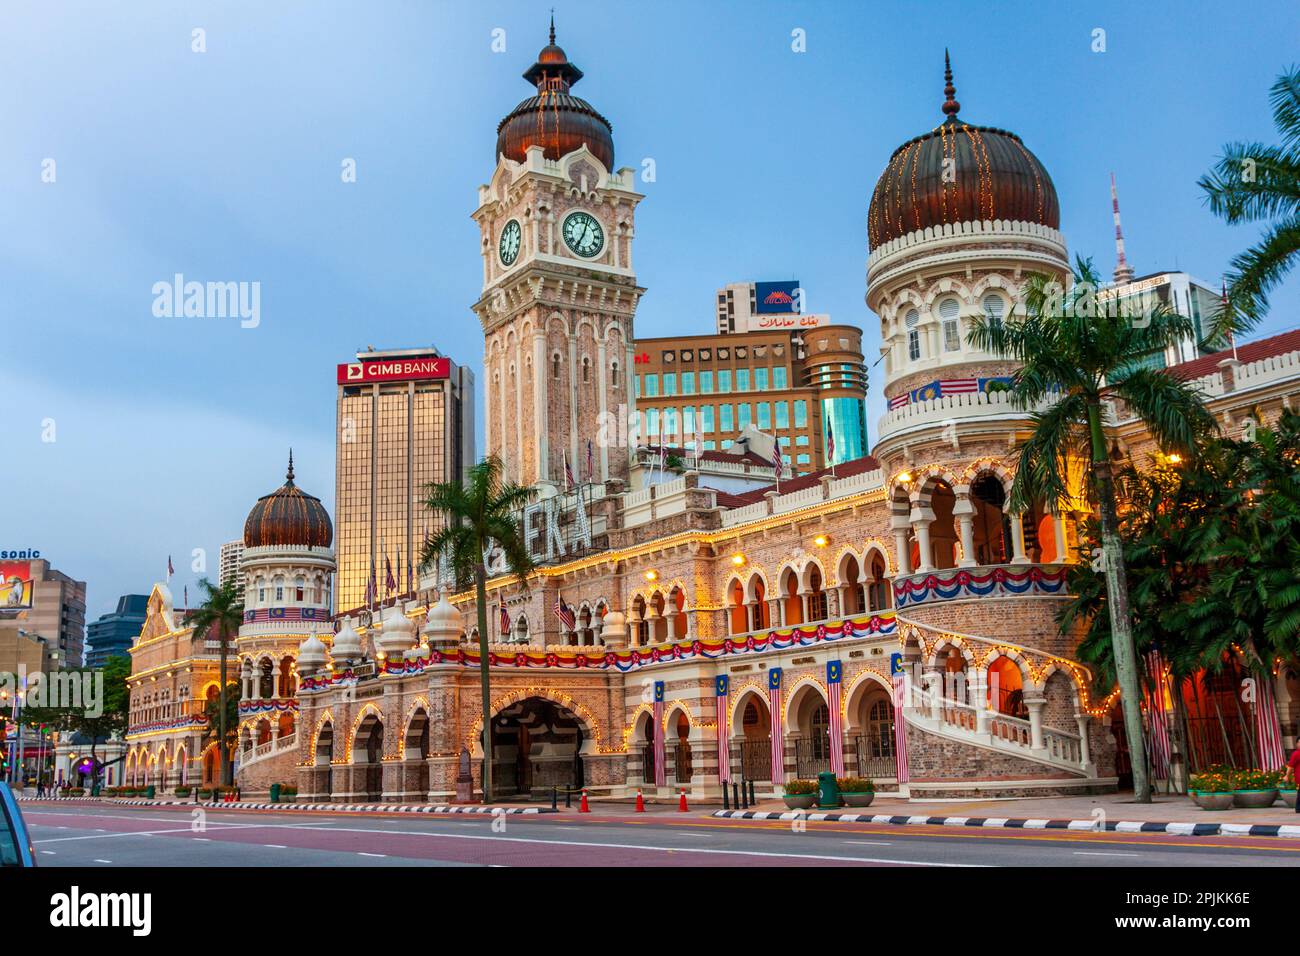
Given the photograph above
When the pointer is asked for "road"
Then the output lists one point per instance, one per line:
(92, 835)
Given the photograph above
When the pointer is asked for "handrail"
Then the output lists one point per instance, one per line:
(904, 622)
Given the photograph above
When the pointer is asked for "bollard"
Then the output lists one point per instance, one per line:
(744, 795)
(555, 797)
(753, 801)
(735, 793)
(568, 799)
(726, 797)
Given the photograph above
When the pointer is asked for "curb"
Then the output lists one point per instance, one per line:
(1009, 823)
(333, 807)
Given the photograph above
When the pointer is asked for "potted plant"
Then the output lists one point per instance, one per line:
(1286, 789)
(1255, 789)
(205, 793)
(77, 791)
(1212, 790)
(800, 794)
(182, 792)
(856, 791)
(288, 793)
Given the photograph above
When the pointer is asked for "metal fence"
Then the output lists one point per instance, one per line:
(756, 759)
(811, 756)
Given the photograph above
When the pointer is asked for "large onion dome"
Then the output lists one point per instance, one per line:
(555, 119)
(288, 516)
(992, 176)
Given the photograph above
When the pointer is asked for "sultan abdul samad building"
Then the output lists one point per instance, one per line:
(890, 620)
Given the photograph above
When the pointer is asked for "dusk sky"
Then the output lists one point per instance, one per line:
(225, 165)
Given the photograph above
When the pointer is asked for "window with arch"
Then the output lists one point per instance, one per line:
(279, 589)
(994, 308)
(299, 589)
(613, 374)
(913, 345)
(586, 370)
(555, 366)
(950, 316)
(261, 590)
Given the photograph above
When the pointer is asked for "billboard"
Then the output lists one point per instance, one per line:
(394, 370)
(790, 320)
(15, 585)
(771, 298)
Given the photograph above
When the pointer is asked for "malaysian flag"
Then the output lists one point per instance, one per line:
(565, 614)
(959, 386)
(661, 778)
(1157, 717)
(399, 567)
(724, 748)
(170, 569)
(1267, 729)
(371, 586)
(568, 473)
(505, 620)
(898, 401)
(778, 725)
(185, 600)
(591, 462)
(830, 442)
(834, 688)
(900, 720)
(778, 461)
(389, 583)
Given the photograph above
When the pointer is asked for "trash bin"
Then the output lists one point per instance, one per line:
(94, 789)
(828, 791)
(275, 793)
(150, 791)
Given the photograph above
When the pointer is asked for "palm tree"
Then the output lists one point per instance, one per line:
(220, 614)
(1253, 182)
(1078, 353)
(477, 516)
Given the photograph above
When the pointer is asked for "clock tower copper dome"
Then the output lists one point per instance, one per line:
(554, 118)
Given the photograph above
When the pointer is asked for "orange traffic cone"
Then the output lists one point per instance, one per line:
(582, 807)
(640, 802)
(681, 804)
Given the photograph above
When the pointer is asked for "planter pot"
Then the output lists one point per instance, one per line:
(799, 801)
(1212, 801)
(1288, 797)
(858, 799)
(1254, 799)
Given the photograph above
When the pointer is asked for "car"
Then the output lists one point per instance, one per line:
(15, 845)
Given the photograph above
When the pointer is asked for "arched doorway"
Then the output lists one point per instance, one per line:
(872, 712)
(368, 750)
(810, 721)
(853, 594)
(791, 602)
(1006, 693)
(737, 618)
(416, 748)
(324, 757)
(755, 725)
(680, 744)
(536, 745)
(991, 525)
(879, 593)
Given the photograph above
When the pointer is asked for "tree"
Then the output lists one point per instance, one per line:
(1078, 354)
(212, 710)
(1253, 182)
(477, 516)
(217, 618)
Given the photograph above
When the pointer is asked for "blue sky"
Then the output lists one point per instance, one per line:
(225, 166)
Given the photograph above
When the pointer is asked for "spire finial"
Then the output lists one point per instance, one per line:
(950, 105)
(552, 26)
(289, 475)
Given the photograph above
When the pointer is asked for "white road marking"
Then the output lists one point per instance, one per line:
(379, 855)
(48, 852)
(654, 849)
(1102, 853)
(275, 846)
(867, 842)
(103, 861)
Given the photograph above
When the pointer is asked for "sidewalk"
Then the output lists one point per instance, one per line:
(1167, 813)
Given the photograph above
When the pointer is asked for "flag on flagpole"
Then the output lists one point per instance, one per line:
(722, 699)
(830, 444)
(834, 691)
(565, 614)
(505, 620)
(568, 473)
(661, 778)
(170, 569)
(778, 725)
(399, 569)
(389, 583)
(901, 770)
(185, 600)
(1157, 716)
(371, 584)
(591, 462)
(778, 463)
(1267, 729)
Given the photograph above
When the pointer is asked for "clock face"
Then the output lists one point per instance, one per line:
(583, 234)
(508, 247)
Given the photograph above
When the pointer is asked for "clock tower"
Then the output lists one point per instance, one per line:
(556, 224)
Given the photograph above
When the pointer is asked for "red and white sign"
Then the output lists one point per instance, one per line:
(394, 370)
(784, 320)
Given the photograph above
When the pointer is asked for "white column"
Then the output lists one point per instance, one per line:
(923, 544)
(903, 554)
(504, 372)
(603, 406)
(1018, 540)
(964, 512)
(519, 409)
(540, 373)
(573, 400)
(1035, 706)
(1058, 530)
(1085, 752)
(979, 700)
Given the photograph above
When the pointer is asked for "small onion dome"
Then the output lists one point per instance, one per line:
(613, 630)
(311, 655)
(396, 633)
(960, 173)
(347, 643)
(443, 623)
(554, 118)
(288, 516)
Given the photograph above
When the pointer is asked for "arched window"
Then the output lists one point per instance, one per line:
(586, 370)
(261, 590)
(555, 366)
(994, 308)
(613, 374)
(299, 589)
(949, 314)
(279, 589)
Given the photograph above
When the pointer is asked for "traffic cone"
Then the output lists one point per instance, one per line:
(681, 804)
(640, 802)
(582, 807)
